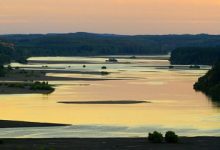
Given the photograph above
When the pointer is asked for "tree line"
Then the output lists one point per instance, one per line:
(84, 44)
(195, 55)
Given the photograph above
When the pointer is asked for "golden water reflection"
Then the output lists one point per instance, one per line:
(174, 103)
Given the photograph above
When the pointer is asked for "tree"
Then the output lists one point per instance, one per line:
(171, 137)
(155, 137)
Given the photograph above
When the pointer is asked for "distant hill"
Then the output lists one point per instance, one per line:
(6, 52)
(72, 44)
(210, 83)
(195, 55)
(9, 53)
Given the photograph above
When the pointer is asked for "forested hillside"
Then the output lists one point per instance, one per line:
(195, 55)
(9, 53)
(210, 83)
(106, 44)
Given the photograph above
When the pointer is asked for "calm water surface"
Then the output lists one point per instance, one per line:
(174, 105)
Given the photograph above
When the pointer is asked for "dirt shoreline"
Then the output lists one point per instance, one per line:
(186, 143)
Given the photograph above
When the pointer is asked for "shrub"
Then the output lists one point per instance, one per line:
(171, 67)
(155, 137)
(104, 73)
(171, 137)
(41, 86)
(104, 67)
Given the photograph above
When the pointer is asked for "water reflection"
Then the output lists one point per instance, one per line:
(174, 103)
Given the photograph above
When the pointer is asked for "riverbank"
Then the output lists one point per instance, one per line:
(189, 143)
(25, 87)
(13, 90)
(19, 78)
(41, 75)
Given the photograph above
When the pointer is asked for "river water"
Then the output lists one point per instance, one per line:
(172, 102)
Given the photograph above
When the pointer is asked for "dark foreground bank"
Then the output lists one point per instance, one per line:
(186, 143)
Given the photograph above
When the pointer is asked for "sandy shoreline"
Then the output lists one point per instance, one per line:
(186, 143)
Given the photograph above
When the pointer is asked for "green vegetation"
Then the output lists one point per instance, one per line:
(194, 67)
(5, 54)
(2, 71)
(73, 44)
(171, 137)
(19, 47)
(195, 55)
(171, 67)
(41, 86)
(104, 67)
(104, 73)
(45, 66)
(155, 137)
(210, 83)
(9, 53)
(133, 57)
(112, 60)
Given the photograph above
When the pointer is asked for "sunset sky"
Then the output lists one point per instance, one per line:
(110, 16)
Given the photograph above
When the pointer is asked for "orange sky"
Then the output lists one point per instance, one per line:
(110, 16)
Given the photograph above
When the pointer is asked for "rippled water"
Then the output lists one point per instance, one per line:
(173, 102)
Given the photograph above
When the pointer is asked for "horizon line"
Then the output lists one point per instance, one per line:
(97, 33)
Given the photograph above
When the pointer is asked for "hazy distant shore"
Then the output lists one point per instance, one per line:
(189, 143)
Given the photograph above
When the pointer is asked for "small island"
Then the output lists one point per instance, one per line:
(194, 67)
(8, 86)
(112, 60)
(25, 87)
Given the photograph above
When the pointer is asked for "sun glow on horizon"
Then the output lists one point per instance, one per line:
(112, 16)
